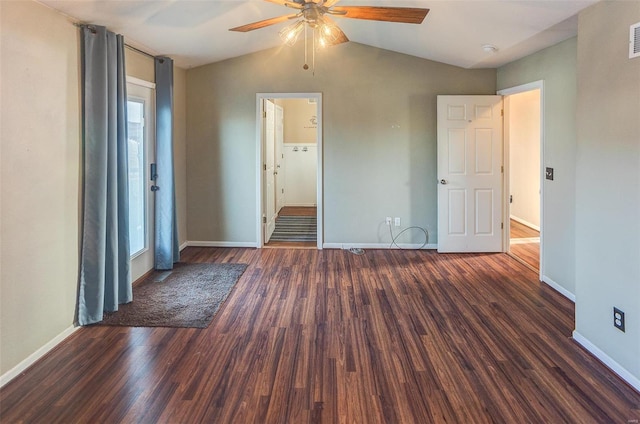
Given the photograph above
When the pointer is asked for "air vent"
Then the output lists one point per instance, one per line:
(634, 41)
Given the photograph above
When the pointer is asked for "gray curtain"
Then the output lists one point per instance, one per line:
(167, 251)
(104, 277)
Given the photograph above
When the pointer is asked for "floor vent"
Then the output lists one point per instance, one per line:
(634, 41)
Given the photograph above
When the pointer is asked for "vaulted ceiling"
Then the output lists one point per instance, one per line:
(195, 32)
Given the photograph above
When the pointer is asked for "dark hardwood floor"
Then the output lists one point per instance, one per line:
(327, 336)
(525, 244)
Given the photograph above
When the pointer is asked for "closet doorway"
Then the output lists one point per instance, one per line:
(289, 187)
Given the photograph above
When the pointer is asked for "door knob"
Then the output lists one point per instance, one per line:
(443, 181)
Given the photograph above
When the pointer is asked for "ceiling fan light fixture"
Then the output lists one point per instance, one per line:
(290, 34)
(328, 34)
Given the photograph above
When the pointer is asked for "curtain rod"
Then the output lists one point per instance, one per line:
(139, 51)
(79, 25)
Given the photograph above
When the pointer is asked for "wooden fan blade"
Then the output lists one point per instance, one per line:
(330, 3)
(342, 37)
(262, 24)
(286, 3)
(407, 15)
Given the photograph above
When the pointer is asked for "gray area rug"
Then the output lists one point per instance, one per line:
(187, 296)
(295, 228)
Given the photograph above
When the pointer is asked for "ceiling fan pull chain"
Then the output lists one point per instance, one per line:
(305, 66)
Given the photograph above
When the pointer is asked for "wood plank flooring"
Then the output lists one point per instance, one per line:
(326, 336)
(522, 247)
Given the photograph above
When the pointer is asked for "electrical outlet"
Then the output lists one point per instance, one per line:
(388, 220)
(396, 221)
(618, 319)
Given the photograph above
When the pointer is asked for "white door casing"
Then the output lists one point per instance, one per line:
(279, 158)
(269, 170)
(260, 97)
(470, 173)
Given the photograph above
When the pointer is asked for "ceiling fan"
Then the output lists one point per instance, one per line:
(313, 15)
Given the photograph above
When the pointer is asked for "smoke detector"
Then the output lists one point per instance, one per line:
(489, 48)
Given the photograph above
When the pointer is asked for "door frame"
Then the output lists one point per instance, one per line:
(535, 85)
(260, 160)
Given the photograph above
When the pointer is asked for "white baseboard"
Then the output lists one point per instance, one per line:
(31, 359)
(222, 243)
(523, 222)
(607, 360)
(347, 246)
(524, 240)
(300, 205)
(183, 245)
(557, 287)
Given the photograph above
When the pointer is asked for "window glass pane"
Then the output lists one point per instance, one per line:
(137, 182)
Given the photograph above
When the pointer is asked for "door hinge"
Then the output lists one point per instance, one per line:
(502, 169)
(264, 167)
(282, 191)
(264, 219)
(264, 113)
(501, 112)
(502, 225)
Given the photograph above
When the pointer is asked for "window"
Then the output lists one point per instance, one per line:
(137, 181)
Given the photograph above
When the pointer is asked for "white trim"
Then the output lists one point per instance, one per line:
(525, 223)
(300, 205)
(557, 287)
(535, 85)
(141, 82)
(524, 240)
(183, 246)
(259, 161)
(385, 246)
(294, 144)
(31, 359)
(199, 243)
(521, 88)
(607, 360)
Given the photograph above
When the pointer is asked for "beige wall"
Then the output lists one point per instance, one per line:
(139, 65)
(298, 125)
(608, 183)
(40, 142)
(524, 156)
(379, 150)
(556, 66)
(40, 156)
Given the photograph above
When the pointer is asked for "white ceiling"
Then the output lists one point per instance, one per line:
(195, 32)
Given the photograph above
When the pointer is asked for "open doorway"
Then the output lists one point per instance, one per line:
(523, 154)
(290, 170)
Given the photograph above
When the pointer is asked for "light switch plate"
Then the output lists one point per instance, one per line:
(549, 174)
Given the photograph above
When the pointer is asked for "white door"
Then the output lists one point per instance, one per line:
(470, 174)
(141, 153)
(279, 160)
(269, 170)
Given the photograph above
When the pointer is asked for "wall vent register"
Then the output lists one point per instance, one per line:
(634, 41)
